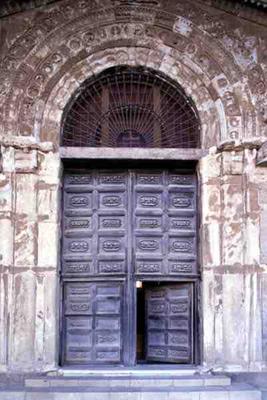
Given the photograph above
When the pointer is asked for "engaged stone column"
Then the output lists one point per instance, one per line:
(29, 258)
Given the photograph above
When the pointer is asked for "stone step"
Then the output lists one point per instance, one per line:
(233, 392)
(131, 382)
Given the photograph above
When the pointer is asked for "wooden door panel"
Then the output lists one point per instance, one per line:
(95, 224)
(169, 323)
(119, 226)
(164, 225)
(93, 322)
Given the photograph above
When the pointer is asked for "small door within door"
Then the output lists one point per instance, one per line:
(169, 323)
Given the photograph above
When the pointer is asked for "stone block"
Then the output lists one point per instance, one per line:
(11, 395)
(39, 396)
(50, 325)
(232, 163)
(211, 244)
(5, 296)
(8, 159)
(263, 235)
(210, 167)
(5, 193)
(245, 395)
(22, 340)
(218, 320)
(211, 201)
(48, 244)
(233, 243)
(6, 241)
(253, 314)
(49, 167)
(253, 206)
(264, 315)
(213, 395)
(26, 195)
(252, 242)
(208, 317)
(233, 202)
(25, 250)
(234, 320)
(25, 161)
(47, 203)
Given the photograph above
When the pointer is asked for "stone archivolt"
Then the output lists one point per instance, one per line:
(60, 47)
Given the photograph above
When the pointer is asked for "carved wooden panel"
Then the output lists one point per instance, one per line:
(164, 223)
(119, 226)
(92, 319)
(95, 222)
(168, 323)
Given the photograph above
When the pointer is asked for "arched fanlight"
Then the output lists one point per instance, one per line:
(131, 107)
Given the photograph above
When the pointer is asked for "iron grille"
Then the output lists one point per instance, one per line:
(131, 107)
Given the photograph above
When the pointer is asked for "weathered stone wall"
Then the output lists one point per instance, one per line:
(29, 259)
(219, 58)
(234, 273)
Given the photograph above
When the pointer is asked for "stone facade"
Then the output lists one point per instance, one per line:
(218, 54)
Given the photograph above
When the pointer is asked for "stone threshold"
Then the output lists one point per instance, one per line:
(139, 371)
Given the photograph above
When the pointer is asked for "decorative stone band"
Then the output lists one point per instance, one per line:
(25, 143)
(262, 155)
(238, 145)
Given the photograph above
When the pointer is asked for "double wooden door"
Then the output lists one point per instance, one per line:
(122, 226)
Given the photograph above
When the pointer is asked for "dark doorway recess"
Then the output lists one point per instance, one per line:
(164, 322)
(120, 226)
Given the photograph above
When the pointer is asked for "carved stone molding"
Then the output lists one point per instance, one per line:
(210, 53)
(262, 155)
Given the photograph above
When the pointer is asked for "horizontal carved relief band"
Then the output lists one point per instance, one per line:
(150, 179)
(78, 200)
(111, 267)
(111, 200)
(149, 223)
(112, 179)
(107, 222)
(78, 179)
(148, 267)
(78, 268)
(148, 200)
(79, 223)
(181, 179)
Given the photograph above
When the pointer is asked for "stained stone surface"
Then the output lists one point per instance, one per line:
(219, 58)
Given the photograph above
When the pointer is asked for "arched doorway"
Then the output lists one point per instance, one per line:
(129, 253)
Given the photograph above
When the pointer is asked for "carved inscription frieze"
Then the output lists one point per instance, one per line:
(178, 223)
(148, 244)
(182, 246)
(79, 179)
(149, 223)
(79, 201)
(78, 268)
(149, 179)
(79, 223)
(180, 180)
(149, 201)
(108, 267)
(111, 245)
(112, 201)
(111, 223)
(181, 202)
(181, 267)
(112, 179)
(147, 267)
(78, 246)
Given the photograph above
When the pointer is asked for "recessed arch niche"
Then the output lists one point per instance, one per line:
(130, 107)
